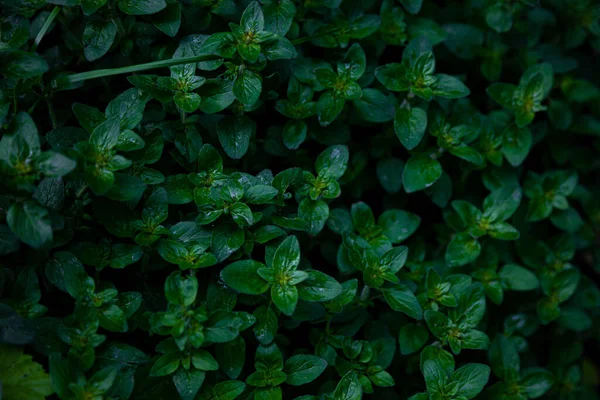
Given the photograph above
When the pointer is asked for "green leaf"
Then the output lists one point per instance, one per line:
(22, 378)
(412, 6)
(412, 337)
(216, 95)
(410, 125)
(354, 63)
(319, 287)
(279, 16)
(180, 190)
(234, 135)
(17, 64)
(503, 94)
(568, 220)
(471, 306)
(156, 208)
(504, 358)
(463, 40)
(30, 223)
(294, 134)
(9, 243)
(437, 354)
(537, 383)
(65, 272)
(463, 249)
(168, 20)
(516, 144)
(267, 233)
(128, 107)
(502, 203)
(180, 289)
(188, 382)
(420, 172)
(499, 18)
(62, 373)
(105, 135)
(398, 225)
(315, 213)
(471, 379)
(227, 390)
(389, 172)
(141, 7)
(280, 49)
(130, 141)
(518, 278)
(97, 38)
(544, 73)
(374, 106)
(435, 376)
(247, 87)
(113, 319)
(126, 188)
(449, 87)
(260, 194)
(89, 7)
(287, 255)
(253, 19)
(403, 299)
(362, 217)
(89, 117)
(328, 108)
(303, 369)
(242, 276)
(266, 324)
(165, 364)
(53, 164)
(393, 77)
(349, 388)
(232, 356)
(204, 361)
(332, 162)
(285, 297)
(187, 102)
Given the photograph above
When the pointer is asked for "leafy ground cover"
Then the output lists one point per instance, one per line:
(299, 199)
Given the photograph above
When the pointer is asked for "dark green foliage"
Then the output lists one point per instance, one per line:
(299, 199)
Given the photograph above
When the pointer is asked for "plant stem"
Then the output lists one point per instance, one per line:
(316, 35)
(100, 73)
(45, 27)
(51, 112)
(364, 294)
(33, 106)
(81, 191)
(437, 153)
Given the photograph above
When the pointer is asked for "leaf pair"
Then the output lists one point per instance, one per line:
(287, 284)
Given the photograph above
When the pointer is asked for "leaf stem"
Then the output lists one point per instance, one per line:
(437, 153)
(100, 73)
(45, 27)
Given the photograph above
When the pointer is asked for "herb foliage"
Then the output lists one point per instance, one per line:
(299, 199)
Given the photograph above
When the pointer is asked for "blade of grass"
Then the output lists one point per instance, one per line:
(45, 27)
(101, 73)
